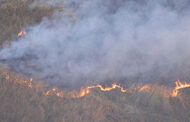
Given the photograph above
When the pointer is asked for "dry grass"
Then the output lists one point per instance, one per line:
(19, 103)
(15, 15)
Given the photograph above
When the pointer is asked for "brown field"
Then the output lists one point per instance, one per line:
(20, 103)
(15, 16)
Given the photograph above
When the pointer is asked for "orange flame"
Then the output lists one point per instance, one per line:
(54, 91)
(21, 33)
(85, 91)
(7, 77)
(144, 88)
(179, 85)
(20, 80)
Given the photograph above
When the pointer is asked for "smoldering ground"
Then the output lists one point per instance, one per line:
(108, 40)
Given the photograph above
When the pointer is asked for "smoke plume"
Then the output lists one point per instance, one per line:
(106, 40)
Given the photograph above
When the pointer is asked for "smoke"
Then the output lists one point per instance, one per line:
(111, 40)
(47, 3)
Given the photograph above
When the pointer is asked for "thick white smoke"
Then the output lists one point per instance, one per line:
(107, 40)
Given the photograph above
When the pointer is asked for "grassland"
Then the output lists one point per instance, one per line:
(21, 103)
(18, 103)
(15, 15)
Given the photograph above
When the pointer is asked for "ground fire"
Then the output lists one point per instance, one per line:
(179, 86)
(84, 91)
(94, 61)
(21, 33)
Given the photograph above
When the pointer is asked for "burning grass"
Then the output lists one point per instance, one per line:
(25, 99)
(16, 15)
(179, 86)
(28, 102)
(84, 91)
